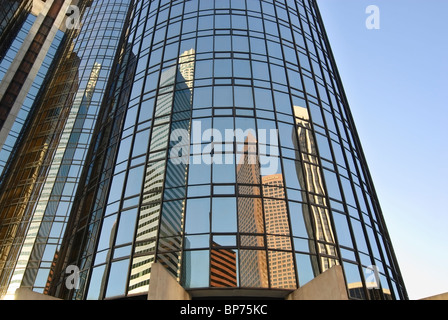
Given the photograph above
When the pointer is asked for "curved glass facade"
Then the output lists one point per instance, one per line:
(12, 16)
(226, 152)
(39, 186)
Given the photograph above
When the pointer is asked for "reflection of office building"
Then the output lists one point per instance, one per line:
(222, 267)
(27, 61)
(51, 113)
(281, 263)
(12, 16)
(110, 186)
(30, 34)
(356, 290)
(310, 176)
(161, 173)
(253, 263)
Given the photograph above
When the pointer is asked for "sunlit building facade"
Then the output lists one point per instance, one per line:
(45, 149)
(221, 147)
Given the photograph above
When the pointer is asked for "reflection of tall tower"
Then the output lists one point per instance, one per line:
(73, 108)
(28, 61)
(223, 64)
(12, 16)
(248, 179)
(310, 177)
(165, 179)
(77, 213)
(281, 264)
(274, 223)
(253, 264)
(34, 156)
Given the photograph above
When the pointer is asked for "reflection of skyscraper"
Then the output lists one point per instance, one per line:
(253, 263)
(281, 264)
(12, 16)
(162, 175)
(35, 154)
(119, 85)
(54, 120)
(128, 198)
(319, 221)
(254, 226)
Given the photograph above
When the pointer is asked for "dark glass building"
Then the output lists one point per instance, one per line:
(210, 137)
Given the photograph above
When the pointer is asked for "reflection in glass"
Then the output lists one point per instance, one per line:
(117, 278)
(281, 264)
(177, 104)
(195, 269)
(251, 210)
(224, 217)
(253, 269)
(223, 267)
(197, 219)
(319, 221)
(26, 187)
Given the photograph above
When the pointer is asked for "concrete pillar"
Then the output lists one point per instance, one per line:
(163, 286)
(28, 294)
(442, 296)
(329, 285)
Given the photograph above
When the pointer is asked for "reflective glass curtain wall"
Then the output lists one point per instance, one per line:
(227, 153)
(42, 178)
(12, 16)
(10, 134)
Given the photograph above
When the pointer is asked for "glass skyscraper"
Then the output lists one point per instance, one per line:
(210, 137)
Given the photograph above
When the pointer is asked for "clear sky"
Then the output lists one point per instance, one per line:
(396, 81)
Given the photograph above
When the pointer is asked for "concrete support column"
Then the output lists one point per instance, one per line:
(163, 286)
(329, 285)
(442, 296)
(28, 294)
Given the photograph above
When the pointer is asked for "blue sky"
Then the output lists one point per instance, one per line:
(396, 82)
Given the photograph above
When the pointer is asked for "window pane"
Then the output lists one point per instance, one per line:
(263, 99)
(117, 279)
(223, 68)
(253, 269)
(198, 276)
(224, 215)
(243, 97)
(354, 281)
(306, 268)
(126, 227)
(198, 216)
(134, 182)
(299, 215)
(342, 230)
(223, 96)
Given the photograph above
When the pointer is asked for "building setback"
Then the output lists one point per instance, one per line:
(212, 138)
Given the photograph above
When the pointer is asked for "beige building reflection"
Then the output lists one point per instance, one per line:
(310, 177)
(253, 224)
(253, 263)
(356, 291)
